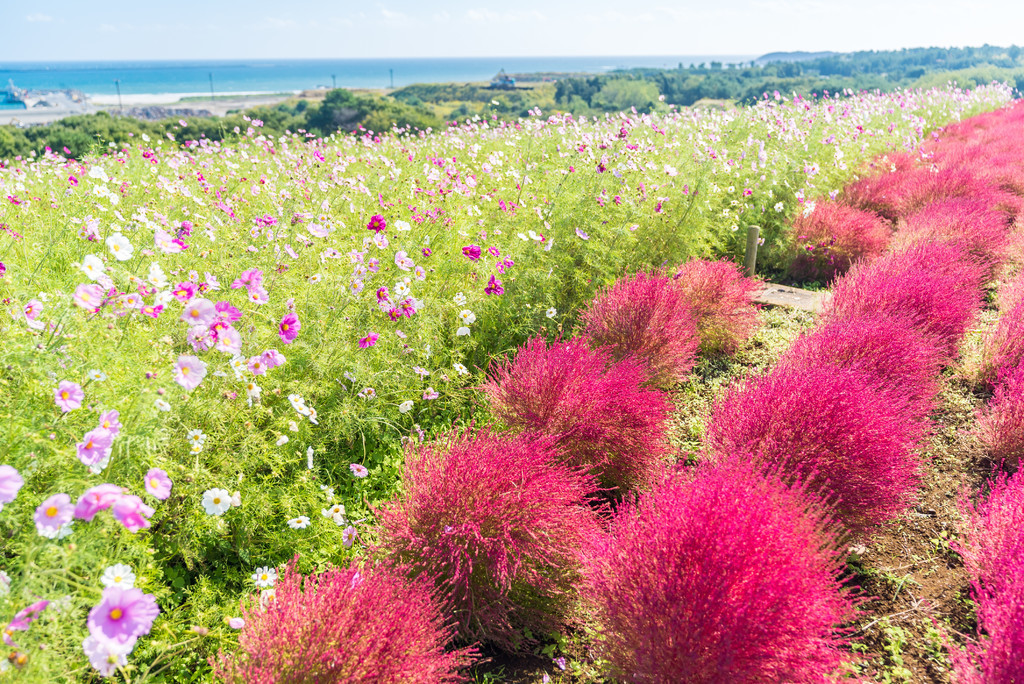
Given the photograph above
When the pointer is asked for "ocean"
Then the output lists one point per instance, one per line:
(273, 76)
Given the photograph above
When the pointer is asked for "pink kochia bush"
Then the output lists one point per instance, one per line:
(344, 625)
(600, 413)
(829, 426)
(1003, 347)
(1001, 424)
(938, 287)
(976, 227)
(993, 551)
(889, 351)
(721, 302)
(718, 575)
(646, 317)
(832, 236)
(498, 524)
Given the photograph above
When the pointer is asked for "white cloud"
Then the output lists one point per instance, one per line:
(38, 17)
(393, 16)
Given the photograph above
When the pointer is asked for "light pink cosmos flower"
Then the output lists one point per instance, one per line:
(106, 655)
(348, 535)
(158, 484)
(236, 623)
(10, 482)
(403, 261)
(32, 309)
(189, 371)
(131, 512)
(200, 338)
(68, 396)
(289, 327)
(251, 278)
(256, 365)
(199, 311)
(123, 615)
(272, 358)
(89, 297)
(96, 499)
(94, 446)
(53, 513)
(257, 295)
(22, 619)
(111, 421)
(229, 340)
(430, 393)
(166, 243)
(358, 470)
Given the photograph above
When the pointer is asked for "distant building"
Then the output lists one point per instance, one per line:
(503, 82)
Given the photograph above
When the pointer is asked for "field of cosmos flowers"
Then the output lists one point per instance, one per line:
(374, 407)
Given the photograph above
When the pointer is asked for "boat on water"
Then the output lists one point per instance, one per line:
(68, 98)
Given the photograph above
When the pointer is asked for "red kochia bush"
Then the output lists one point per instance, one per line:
(938, 287)
(1001, 424)
(993, 551)
(649, 318)
(832, 237)
(498, 524)
(830, 426)
(600, 412)
(1003, 347)
(970, 224)
(889, 351)
(721, 301)
(344, 625)
(718, 575)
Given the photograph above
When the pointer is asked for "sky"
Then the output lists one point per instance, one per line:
(58, 30)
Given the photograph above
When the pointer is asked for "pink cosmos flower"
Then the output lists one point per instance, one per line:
(153, 311)
(200, 338)
(89, 297)
(185, 291)
(94, 446)
(68, 396)
(189, 371)
(111, 422)
(257, 295)
(158, 484)
(471, 251)
(96, 499)
(123, 615)
(427, 251)
(199, 311)
(54, 512)
(403, 261)
(494, 251)
(368, 341)
(272, 358)
(131, 512)
(430, 393)
(289, 328)
(236, 623)
(358, 470)
(226, 312)
(256, 365)
(166, 242)
(229, 340)
(22, 619)
(494, 287)
(106, 655)
(32, 309)
(10, 482)
(377, 223)
(251, 278)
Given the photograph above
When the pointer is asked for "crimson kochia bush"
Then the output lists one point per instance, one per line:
(721, 302)
(1001, 424)
(719, 575)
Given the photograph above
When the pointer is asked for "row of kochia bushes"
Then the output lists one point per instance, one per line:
(731, 570)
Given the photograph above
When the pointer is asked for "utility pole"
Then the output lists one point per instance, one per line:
(117, 84)
(212, 96)
(334, 82)
(392, 78)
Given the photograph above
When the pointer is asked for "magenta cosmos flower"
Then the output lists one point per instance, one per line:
(95, 445)
(52, 513)
(123, 615)
(189, 371)
(89, 297)
(22, 619)
(96, 499)
(132, 513)
(494, 287)
(158, 484)
(68, 395)
(10, 483)
(471, 251)
(289, 328)
(377, 223)
(368, 341)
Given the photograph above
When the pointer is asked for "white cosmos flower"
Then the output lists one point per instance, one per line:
(299, 523)
(460, 369)
(337, 510)
(462, 331)
(119, 575)
(156, 276)
(97, 375)
(196, 437)
(460, 299)
(467, 316)
(282, 440)
(552, 312)
(401, 226)
(162, 405)
(216, 501)
(92, 266)
(120, 247)
(405, 406)
(264, 577)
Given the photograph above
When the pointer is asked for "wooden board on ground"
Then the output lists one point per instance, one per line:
(790, 297)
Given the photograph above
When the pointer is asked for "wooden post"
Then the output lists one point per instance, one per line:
(750, 262)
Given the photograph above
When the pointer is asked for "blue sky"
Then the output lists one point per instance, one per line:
(211, 29)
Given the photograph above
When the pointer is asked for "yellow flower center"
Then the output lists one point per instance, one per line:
(184, 370)
(51, 511)
(153, 483)
(117, 579)
(64, 394)
(116, 614)
(216, 500)
(284, 326)
(263, 576)
(195, 313)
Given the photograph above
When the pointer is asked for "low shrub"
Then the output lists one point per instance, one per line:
(996, 657)
(721, 301)
(718, 575)
(1001, 423)
(647, 317)
(498, 524)
(1003, 346)
(974, 226)
(600, 413)
(938, 287)
(829, 426)
(895, 356)
(344, 625)
(832, 236)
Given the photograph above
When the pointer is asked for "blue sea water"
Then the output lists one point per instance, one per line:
(98, 78)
